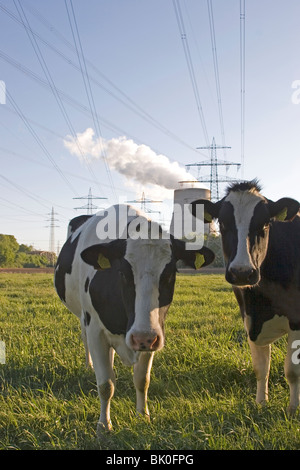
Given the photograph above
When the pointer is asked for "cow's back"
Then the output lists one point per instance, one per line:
(72, 274)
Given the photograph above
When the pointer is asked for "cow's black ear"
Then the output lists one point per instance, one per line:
(100, 256)
(211, 209)
(196, 259)
(94, 256)
(284, 209)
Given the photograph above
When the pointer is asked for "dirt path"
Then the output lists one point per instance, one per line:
(26, 270)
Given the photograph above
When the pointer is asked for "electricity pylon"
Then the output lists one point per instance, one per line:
(89, 207)
(214, 178)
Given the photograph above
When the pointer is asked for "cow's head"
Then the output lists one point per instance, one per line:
(147, 271)
(244, 217)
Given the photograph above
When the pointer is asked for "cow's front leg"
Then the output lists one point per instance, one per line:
(261, 356)
(141, 380)
(102, 357)
(292, 369)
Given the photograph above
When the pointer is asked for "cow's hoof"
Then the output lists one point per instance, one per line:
(142, 414)
(291, 411)
(262, 403)
(103, 428)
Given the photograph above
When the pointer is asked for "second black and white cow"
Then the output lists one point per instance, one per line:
(261, 245)
(121, 290)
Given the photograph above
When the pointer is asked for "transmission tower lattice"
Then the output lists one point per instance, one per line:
(143, 201)
(52, 226)
(214, 179)
(89, 207)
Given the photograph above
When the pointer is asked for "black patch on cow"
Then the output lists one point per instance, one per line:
(282, 262)
(259, 308)
(167, 284)
(113, 301)
(77, 222)
(260, 218)
(295, 326)
(278, 291)
(127, 289)
(228, 230)
(258, 233)
(64, 266)
(86, 284)
(166, 291)
(87, 319)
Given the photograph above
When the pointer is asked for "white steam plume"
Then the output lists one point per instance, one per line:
(137, 162)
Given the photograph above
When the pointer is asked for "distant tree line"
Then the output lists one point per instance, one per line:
(214, 242)
(13, 255)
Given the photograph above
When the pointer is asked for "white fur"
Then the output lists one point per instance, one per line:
(148, 259)
(271, 330)
(243, 204)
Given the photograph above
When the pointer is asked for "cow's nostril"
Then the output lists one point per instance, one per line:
(250, 274)
(242, 277)
(154, 343)
(144, 342)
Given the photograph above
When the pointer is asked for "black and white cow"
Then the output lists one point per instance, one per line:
(121, 290)
(261, 245)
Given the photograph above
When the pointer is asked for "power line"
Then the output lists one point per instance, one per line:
(68, 99)
(49, 79)
(191, 70)
(130, 104)
(216, 71)
(143, 201)
(38, 140)
(21, 207)
(74, 175)
(89, 207)
(64, 96)
(27, 193)
(242, 78)
(214, 179)
(87, 86)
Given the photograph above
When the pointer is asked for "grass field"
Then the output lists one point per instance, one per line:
(202, 391)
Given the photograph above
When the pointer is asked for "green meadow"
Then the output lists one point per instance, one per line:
(202, 390)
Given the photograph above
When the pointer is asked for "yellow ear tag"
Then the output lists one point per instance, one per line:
(103, 262)
(282, 215)
(207, 217)
(199, 261)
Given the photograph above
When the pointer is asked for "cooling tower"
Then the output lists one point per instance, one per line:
(188, 192)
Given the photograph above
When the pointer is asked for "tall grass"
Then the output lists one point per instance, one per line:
(202, 391)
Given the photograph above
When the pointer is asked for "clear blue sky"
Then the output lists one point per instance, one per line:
(142, 91)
